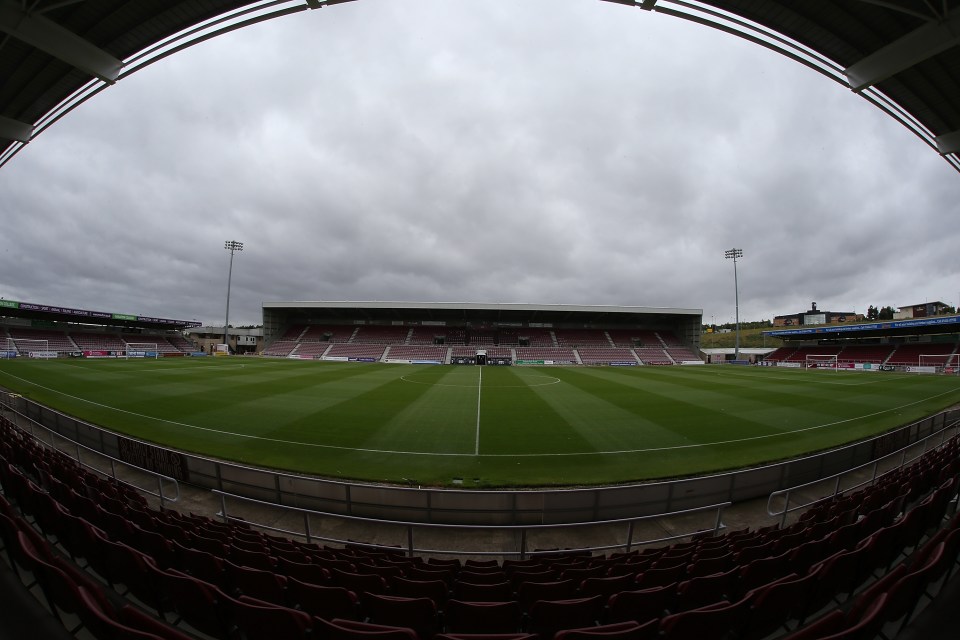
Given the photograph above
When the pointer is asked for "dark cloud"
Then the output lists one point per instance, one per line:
(436, 150)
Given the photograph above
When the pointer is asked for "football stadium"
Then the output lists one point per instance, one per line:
(470, 470)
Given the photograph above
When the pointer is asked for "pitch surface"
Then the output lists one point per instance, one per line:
(482, 426)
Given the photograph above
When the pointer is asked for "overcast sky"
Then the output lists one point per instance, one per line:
(543, 151)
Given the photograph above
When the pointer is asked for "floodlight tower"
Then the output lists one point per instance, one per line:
(231, 246)
(735, 253)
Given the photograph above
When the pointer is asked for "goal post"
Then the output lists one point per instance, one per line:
(939, 363)
(952, 365)
(8, 348)
(142, 350)
(33, 348)
(821, 361)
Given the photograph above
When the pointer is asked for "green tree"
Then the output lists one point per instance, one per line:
(885, 313)
(872, 312)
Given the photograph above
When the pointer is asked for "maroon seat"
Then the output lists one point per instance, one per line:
(419, 614)
(325, 602)
(196, 602)
(259, 620)
(339, 629)
(607, 586)
(642, 604)
(719, 621)
(704, 590)
(482, 617)
(650, 630)
(255, 583)
(550, 616)
(469, 592)
(530, 592)
(436, 590)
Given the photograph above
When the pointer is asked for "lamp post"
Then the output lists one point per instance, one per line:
(231, 246)
(735, 253)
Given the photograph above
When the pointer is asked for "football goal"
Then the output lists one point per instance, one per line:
(939, 363)
(8, 348)
(33, 348)
(822, 361)
(142, 350)
(952, 365)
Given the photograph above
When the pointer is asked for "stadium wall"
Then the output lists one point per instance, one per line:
(476, 507)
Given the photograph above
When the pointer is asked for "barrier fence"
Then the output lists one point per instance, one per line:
(167, 489)
(476, 507)
(861, 476)
(707, 520)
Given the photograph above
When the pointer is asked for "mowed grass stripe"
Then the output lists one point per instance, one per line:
(427, 418)
(612, 416)
(344, 420)
(287, 404)
(516, 419)
(684, 413)
(841, 396)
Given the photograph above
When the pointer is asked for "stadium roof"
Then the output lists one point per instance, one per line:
(500, 312)
(51, 313)
(902, 55)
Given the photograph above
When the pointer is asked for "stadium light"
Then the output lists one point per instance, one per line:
(735, 253)
(231, 246)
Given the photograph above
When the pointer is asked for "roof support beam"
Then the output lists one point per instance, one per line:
(15, 130)
(646, 5)
(319, 4)
(917, 46)
(50, 37)
(948, 143)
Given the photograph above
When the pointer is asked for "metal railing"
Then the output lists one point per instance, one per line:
(411, 548)
(874, 475)
(59, 442)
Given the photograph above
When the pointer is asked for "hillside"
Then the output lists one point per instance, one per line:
(748, 338)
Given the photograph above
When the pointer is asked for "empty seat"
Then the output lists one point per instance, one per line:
(482, 617)
(338, 629)
(419, 614)
(550, 616)
(650, 630)
(259, 620)
(325, 602)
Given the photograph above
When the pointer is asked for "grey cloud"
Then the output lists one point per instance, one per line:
(557, 152)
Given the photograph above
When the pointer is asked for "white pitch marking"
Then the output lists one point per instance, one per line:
(476, 446)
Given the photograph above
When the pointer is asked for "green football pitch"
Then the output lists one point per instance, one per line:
(480, 426)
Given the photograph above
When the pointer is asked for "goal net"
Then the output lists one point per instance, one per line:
(952, 365)
(142, 350)
(939, 363)
(8, 348)
(822, 361)
(28, 348)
